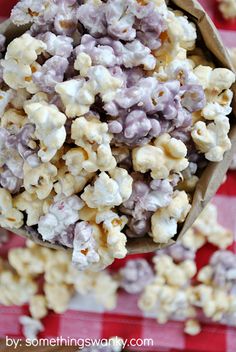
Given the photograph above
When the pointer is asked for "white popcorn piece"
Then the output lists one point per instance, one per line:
(192, 327)
(74, 159)
(83, 63)
(110, 242)
(31, 327)
(58, 296)
(67, 184)
(32, 205)
(181, 31)
(166, 155)
(20, 62)
(39, 180)
(38, 307)
(5, 99)
(228, 8)
(193, 240)
(205, 275)
(78, 95)
(13, 120)
(92, 136)
(165, 220)
(214, 81)
(100, 284)
(20, 96)
(27, 262)
(109, 191)
(212, 139)
(15, 290)
(25, 49)
(9, 216)
(50, 128)
(208, 226)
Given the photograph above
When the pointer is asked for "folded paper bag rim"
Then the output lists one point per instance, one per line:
(214, 173)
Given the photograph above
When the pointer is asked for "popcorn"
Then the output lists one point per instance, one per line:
(214, 81)
(67, 184)
(50, 128)
(57, 45)
(51, 73)
(228, 8)
(165, 294)
(135, 275)
(109, 191)
(5, 98)
(207, 228)
(33, 206)
(13, 120)
(90, 282)
(31, 327)
(9, 216)
(26, 262)
(37, 307)
(192, 327)
(212, 139)
(165, 156)
(79, 95)
(165, 220)
(58, 296)
(145, 199)
(61, 214)
(93, 137)
(39, 180)
(15, 290)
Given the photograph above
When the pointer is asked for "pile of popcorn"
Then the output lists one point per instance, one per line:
(109, 111)
(170, 289)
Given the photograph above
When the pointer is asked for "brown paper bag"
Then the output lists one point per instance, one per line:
(213, 175)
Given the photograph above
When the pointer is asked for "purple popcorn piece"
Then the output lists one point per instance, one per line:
(147, 196)
(193, 97)
(178, 252)
(223, 264)
(51, 73)
(57, 45)
(65, 20)
(135, 129)
(135, 275)
(10, 181)
(93, 18)
(20, 143)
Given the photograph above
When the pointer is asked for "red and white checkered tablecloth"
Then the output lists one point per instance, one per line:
(86, 319)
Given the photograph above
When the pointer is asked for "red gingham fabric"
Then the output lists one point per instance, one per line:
(85, 319)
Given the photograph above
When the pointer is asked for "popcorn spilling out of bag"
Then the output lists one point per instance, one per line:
(109, 114)
(171, 287)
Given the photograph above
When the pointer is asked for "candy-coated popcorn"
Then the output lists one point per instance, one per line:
(57, 45)
(32, 205)
(90, 282)
(135, 275)
(9, 216)
(26, 262)
(61, 214)
(13, 120)
(164, 156)
(38, 306)
(39, 180)
(92, 136)
(212, 139)
(58, 296)
(14, 289)
(109, 191)
(50, 128)
(30, 327)
(192, 327)
(165, 220)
